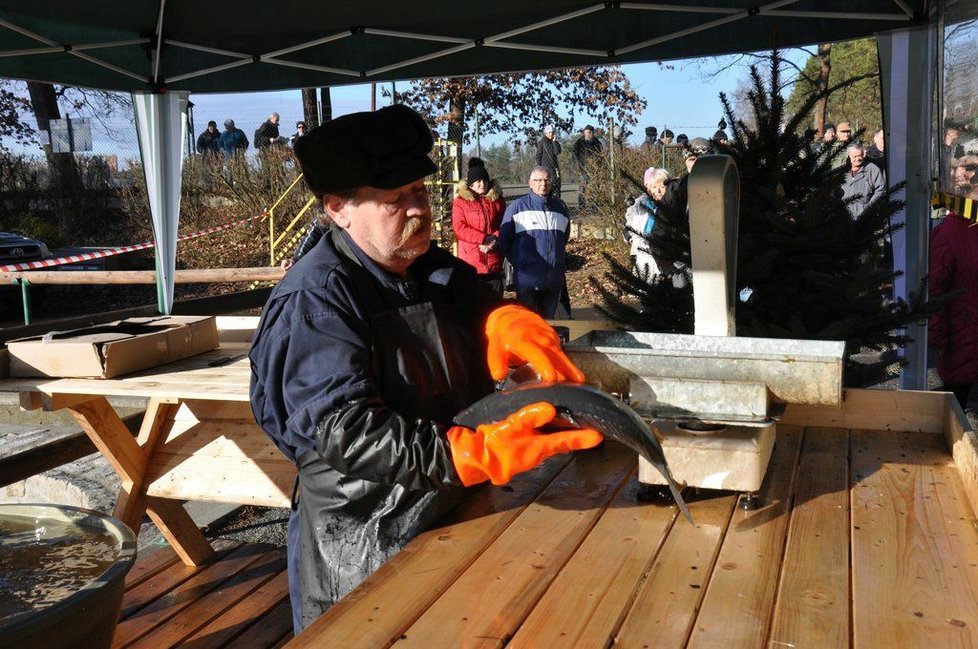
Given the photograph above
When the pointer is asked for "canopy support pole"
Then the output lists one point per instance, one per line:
(907, 91)
(161, 124)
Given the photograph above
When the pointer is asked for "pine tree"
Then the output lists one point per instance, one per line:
(805, 268)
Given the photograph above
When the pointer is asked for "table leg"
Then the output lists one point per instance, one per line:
(130, 458)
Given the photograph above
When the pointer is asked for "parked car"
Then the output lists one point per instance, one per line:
(15, 249)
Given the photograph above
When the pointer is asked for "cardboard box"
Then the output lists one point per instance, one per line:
(114, 348)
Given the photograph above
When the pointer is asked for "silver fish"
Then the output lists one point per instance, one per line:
(581, 406)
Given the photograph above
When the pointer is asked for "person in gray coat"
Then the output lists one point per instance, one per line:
(863, 182)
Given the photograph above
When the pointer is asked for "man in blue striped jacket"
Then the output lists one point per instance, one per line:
(533, 237)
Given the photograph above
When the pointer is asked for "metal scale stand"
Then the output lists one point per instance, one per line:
(713, 399)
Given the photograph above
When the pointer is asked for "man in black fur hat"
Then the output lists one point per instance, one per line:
(366, 351)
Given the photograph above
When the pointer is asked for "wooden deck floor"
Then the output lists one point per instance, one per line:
(239, 600)
(864, 539)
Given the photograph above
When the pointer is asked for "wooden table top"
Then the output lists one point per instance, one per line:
(221, 374)
(864, 539)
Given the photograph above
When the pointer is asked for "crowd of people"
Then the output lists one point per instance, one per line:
(232, 141)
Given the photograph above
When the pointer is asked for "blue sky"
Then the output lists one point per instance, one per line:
(677, 95)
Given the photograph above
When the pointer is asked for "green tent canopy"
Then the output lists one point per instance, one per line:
(232, 46)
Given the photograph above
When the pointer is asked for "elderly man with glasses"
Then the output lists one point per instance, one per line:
(533, 236)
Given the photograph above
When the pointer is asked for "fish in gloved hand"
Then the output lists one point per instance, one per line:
(581, 406)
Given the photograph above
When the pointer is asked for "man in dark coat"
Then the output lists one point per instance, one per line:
(207, 142)
(267, 133)
(586, 148)
(547, 156)
(366, 351)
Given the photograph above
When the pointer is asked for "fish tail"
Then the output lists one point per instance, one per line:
(674, 488)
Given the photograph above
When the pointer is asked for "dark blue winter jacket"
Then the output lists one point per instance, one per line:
(533, 236)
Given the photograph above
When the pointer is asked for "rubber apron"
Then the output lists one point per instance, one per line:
(426, 362)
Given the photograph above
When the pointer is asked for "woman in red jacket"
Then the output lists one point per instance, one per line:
(954, 330)
(476, 213)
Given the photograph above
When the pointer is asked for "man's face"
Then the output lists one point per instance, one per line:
(964, 174)
(829, 135)
(273, 119)
(212, 128)
(540, 182)
(855, 158)
(392, 226)
(951, 136)
(667, 139)
(588, 134)
(844, 132)
(550, 135)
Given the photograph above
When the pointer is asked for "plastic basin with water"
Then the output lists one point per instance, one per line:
(62, 575)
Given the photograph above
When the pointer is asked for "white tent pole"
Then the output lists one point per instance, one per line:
(708, 25)
(546, 23)
(159, 43)
(546, 48)
(418, 37)
(310, 66)
(160, 123)
(907, 71)
(69, 50)
(54, 49)
(304, 46)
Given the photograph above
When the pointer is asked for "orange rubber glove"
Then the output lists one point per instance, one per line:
(499, 451)
(517, 336)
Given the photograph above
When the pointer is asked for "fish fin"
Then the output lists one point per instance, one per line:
(565, 415)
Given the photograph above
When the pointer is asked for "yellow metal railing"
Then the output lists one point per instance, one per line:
(271, 218)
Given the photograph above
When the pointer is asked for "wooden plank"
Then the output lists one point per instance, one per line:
(665, 607)
(813, 600)
(273, 629)
(52, 452)
(180, 276)
(241, 585)
(180, 530)
(213, 478)
(30, 454)
(111, 437)
(130, 505)
(245, 615)
(376, 613)
(220, 460)
(236, 328)
(149, 565)
(486, 604)
(170, 603)
(914, 545)
(899, 410)
(586, 603)
(736, 609)
(198, 410)
(160, 582)
(963, 442)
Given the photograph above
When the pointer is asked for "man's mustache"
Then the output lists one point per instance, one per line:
(415, 225)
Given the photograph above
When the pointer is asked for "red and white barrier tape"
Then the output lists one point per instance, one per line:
(47, 263)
